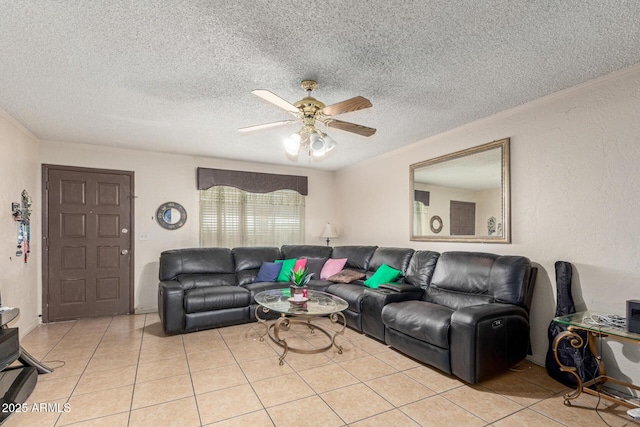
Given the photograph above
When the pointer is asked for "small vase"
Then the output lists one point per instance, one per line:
(298, 292)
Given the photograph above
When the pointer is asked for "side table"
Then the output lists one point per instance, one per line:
(16, 382)
(577, 321)
(6, 316)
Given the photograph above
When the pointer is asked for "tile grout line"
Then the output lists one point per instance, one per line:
(248, 382)
(84, 370)
(135, 376)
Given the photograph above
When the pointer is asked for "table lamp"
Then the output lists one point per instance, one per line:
(328, 233)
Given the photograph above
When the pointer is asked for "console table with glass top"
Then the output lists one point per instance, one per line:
(575, 322)
(318, 304)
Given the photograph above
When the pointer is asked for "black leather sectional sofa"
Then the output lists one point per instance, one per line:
(466, 313)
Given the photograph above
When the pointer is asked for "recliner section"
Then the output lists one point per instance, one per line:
(473, 319)
(465, 313)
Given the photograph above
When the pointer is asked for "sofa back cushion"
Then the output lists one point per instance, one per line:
(314, 265)
(421, 268)
(305, 251)
(209, 261)
(192, 281)
(397, 258)
(462, 279)
(248, 261)
(358, 257)
(252, 257)
(511, 280)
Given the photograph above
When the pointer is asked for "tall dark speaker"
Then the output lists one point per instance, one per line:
(633, 316)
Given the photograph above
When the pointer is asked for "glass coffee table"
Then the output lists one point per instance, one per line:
(317, 304)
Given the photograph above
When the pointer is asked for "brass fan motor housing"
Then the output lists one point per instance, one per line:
(309, 106)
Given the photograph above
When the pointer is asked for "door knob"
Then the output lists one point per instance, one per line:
(124, 252)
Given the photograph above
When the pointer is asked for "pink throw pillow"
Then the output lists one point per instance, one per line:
(331, 267)
(300, 263)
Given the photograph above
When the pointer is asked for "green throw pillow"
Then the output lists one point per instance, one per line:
(287, 266)
(384, 274)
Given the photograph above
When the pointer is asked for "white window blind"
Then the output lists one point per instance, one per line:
(230, 217)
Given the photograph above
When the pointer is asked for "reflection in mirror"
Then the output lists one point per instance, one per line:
(172, 216)
(463, 196)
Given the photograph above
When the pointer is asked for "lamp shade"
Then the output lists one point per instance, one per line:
(328, 232)
(292, 144)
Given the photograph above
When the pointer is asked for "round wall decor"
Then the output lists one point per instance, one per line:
(171, 215)
(436, 224)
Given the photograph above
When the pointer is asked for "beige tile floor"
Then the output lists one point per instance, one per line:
(123, 371)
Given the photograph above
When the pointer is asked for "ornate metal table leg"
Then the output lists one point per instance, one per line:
(334, 319)
(282, 322)
(575, 341)
(262, 321)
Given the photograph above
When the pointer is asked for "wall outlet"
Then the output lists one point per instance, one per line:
(143, 236)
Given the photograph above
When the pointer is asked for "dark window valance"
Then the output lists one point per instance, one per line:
(421, 196)
(253, 182)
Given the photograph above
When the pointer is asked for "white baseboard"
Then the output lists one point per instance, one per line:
(145, 310)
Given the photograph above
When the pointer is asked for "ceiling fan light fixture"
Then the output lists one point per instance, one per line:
(329, 142)
(316, 142)
(292, 144)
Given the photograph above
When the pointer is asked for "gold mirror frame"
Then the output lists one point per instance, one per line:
(505, 189)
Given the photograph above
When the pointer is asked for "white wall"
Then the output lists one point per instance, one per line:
(18, 171)
(575, 197)
(489, 205)
(161, 178)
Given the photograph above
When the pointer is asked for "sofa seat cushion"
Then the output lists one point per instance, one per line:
(421, 320)
(319, 285)
(257, 287)
(351, 293)
(215, 298)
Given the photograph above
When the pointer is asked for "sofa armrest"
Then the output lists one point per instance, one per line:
(402, 288)
(171, 306)
(374, 300)
(487, 339)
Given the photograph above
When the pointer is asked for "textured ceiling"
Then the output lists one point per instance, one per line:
(176, 76)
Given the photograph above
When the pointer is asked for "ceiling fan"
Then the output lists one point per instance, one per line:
(309, 111)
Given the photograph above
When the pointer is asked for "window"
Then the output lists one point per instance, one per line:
(230, 217)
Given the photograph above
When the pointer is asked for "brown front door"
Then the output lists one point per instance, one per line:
(87, 229)
(462, 218)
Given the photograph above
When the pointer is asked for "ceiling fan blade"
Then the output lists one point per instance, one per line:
(275, 100)
(266, 126)
(353, 104)
(349, 127)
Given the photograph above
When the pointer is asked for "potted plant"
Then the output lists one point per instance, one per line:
(299, 280)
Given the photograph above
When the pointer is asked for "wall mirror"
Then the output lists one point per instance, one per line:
(463, 196)
(171, 215)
